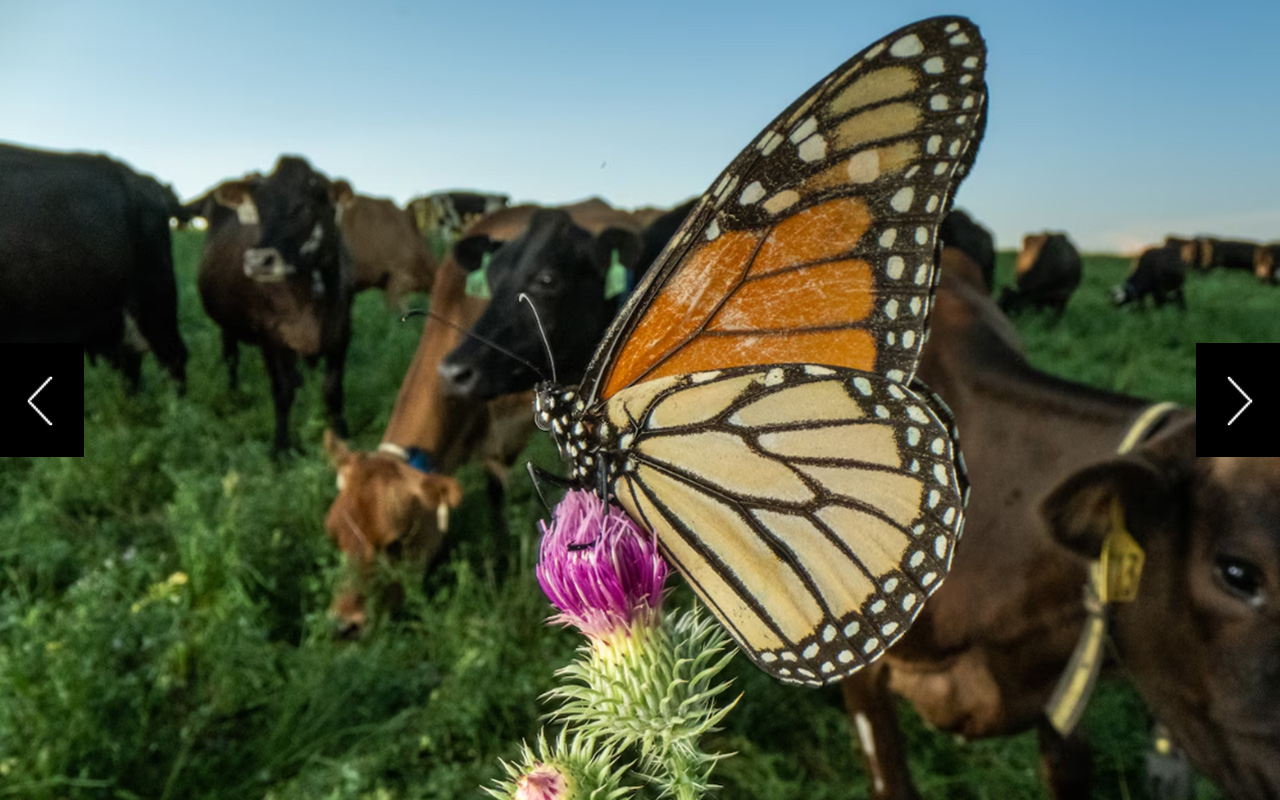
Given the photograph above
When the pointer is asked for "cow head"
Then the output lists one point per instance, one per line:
(294, 207)
(384, 506)
(1202, 639)
(562, 268)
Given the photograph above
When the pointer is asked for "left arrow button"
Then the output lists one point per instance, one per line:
(31, 401)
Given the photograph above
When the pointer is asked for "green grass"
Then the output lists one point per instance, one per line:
(120, 680)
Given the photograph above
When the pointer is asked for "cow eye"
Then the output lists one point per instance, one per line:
(1241, 577)
(545, 279)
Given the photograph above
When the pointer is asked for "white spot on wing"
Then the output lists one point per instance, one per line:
(864, 167)
(894, 267)
(960, 38)
(804, 130)
(812, 149)
(752, 193)
(935, 65)
(901, 201)
(888, 237)
(907, 46)
(713, 230)
(891, 308)
(939, 102)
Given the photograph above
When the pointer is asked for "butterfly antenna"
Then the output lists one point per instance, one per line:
(419, 312)
(543, 333)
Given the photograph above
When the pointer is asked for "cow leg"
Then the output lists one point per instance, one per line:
(1181, 298)
(282, 367)
(871, 710)
(335, 365)
(231, 357)
(1066, 765)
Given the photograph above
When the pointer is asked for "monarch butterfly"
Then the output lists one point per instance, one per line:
(754, 406)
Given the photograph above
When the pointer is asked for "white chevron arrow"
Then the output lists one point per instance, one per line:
(1248, 401)
(31, 400)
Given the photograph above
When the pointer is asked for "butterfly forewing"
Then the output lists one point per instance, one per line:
(817, 242)
(814, 509)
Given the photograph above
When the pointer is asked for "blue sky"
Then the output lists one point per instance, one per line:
(1116, 121)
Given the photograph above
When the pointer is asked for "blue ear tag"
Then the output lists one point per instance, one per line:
(478, 281)
(617, 279)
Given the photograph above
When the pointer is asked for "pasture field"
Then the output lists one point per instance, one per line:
(162, 601)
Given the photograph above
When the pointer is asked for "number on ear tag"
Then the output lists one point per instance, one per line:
(1120, 562)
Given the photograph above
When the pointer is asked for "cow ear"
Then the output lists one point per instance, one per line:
(341, 193)
(1078, 511)
(232, 194)
(336, 449)
(627, 244)
(1150, 486)
(469, 253)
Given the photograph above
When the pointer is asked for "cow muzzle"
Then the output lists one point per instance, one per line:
(267, 265)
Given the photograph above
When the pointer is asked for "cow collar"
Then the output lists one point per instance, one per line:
(415, 457)
(1113, 578)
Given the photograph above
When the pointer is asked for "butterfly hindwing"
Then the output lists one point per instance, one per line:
(814, 509)
(818, 240)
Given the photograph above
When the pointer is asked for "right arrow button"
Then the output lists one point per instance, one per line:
(1248, 401)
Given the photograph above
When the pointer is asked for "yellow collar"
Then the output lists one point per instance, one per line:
(1113, 578)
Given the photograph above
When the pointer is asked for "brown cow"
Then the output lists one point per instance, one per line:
(370, 513)
(1201, 641)
(275, 273)
(387, 251)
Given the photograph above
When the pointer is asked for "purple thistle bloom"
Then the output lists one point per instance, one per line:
(543, 782)
(599, 568)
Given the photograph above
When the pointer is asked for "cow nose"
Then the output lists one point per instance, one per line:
(459, 379)
(265, 263)
(348, 630)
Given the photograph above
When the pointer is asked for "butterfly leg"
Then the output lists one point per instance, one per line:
(1066, 765)
(873, 713)
(539, 476)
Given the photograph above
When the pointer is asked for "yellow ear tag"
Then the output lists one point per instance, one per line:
(1120, 563)
(478, 281)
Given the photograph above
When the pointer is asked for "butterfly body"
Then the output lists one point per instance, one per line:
(754, 405)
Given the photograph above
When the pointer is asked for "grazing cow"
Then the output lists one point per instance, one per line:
(387, 250)
(959, 231)
(1226, 254)
(1159, 274)
(1048, 271)
(85, 258)
(1266, 263)
(1201, 641)
(276, 274)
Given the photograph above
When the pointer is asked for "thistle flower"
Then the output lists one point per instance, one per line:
(601, 571)
(644, 682)
(542, 782)
(576, 768)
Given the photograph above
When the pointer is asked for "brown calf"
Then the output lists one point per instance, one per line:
(1202, 640)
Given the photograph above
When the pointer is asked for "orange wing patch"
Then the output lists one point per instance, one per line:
(821, 296)
(849, 347)
(820, 289)
(823, 232)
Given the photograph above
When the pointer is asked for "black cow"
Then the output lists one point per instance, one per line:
(958, 230)
(276, 273)
(1159, 274)
(561, 261)
(1227, 254)
(85, 258)
(1048, 271)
